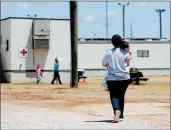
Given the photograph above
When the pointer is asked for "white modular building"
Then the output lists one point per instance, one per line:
(29, 41)
(26, 42)
(150, 55)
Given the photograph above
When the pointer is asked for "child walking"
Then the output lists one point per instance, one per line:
(38, 73)
(125, 46)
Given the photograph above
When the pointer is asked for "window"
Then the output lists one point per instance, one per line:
(7, 45)
(41, 44)
(142, 53)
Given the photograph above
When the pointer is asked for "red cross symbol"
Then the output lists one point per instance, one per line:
(23, 52)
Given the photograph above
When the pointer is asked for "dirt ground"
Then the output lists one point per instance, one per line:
(62, 97)
(156, 90)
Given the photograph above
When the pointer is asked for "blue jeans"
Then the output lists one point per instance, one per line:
(117, 91)
(56, 75)
(38, 78)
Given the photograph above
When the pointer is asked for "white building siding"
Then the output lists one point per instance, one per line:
(59, 44)
(90, 55)
(6, 55)
(21, 30)
(159, 56)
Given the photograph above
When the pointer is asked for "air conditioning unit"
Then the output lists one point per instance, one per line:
(41, 35)
(41, 44)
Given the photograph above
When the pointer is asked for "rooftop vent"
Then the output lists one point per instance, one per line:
(162, 39)
(82, 40)
(149, 40)
(127, 39)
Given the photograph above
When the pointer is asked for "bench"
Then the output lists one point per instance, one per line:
(80, 75)
(136, 75)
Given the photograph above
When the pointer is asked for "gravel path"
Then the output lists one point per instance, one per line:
(23, 117)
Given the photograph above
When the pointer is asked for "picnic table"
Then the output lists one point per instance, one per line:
(136, 75)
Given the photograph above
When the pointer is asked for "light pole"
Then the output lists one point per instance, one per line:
(106, 19)
(123, 11)
(131, 30)
(160, 11)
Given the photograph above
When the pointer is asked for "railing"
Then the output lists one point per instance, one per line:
(127, 39)
(131, 42)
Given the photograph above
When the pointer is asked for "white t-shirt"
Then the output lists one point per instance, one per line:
(116, 64)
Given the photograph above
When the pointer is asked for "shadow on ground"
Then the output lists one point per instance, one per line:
(107, 121)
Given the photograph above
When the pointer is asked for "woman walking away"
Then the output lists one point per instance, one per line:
(117, 76)
(125, 46)
(38, 73)
(56, 72)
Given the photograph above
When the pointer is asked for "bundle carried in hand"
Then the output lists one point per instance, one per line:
(104, 84)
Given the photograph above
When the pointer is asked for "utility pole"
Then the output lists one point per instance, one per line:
(74, 40)
(123, 15)
(106, 19)
(160, 11)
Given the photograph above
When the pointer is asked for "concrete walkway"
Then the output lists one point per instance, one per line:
(23, 117)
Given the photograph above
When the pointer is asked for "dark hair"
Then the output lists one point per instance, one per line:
(56, 60)
(116, 40)
(124, 45)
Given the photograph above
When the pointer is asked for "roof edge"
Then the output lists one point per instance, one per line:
(33, 18)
